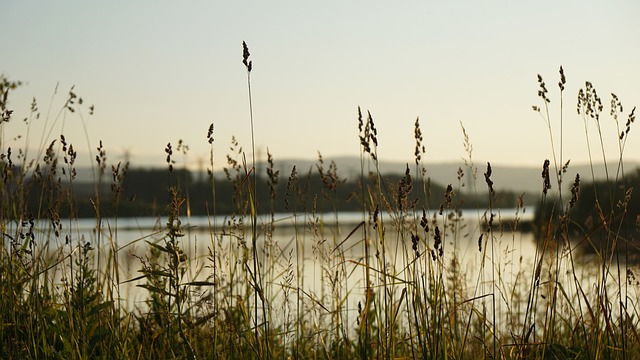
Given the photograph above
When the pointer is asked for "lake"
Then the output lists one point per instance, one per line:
(323, 255)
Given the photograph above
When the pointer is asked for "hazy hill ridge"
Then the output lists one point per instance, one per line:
(505, 177)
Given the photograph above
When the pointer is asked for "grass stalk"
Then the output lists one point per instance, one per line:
(418, 290)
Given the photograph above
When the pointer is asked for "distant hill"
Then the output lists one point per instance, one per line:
(514, 178)
(511, 178)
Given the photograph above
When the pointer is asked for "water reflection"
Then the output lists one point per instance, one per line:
(322, 259)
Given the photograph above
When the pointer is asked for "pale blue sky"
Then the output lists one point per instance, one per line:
(159, 71)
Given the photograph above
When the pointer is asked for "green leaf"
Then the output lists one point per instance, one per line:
(161, 273)
(156, 289)
(135, 279)
(200, 283)
(96, 309)
(97, 337)
(161, 248)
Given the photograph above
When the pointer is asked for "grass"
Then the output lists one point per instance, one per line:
(393, 285)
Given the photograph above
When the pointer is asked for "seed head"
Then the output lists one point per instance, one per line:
(630, 120)
(542, 92)
(210, 134)
(437, 240)
(545, 176)
(404, 188)
(423, 221)
(376, 213)
(169, 151)
(417, 134)
(414, 244)
(245, 57)
(487, 178)
(575, 191)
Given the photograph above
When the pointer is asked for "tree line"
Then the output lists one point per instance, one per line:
(139, 192)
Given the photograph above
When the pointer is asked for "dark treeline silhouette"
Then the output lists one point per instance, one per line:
(597, 213)
(612, 202)
(145, 192)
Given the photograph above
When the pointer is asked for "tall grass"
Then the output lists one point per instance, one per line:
(395, 284)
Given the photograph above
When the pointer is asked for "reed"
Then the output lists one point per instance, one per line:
(413, 277)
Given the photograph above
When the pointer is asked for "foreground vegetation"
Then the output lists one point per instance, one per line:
(248, 296)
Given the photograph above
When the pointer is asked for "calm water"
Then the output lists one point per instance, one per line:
(319, 250)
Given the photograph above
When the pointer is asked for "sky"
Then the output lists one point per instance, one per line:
(163, 71)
